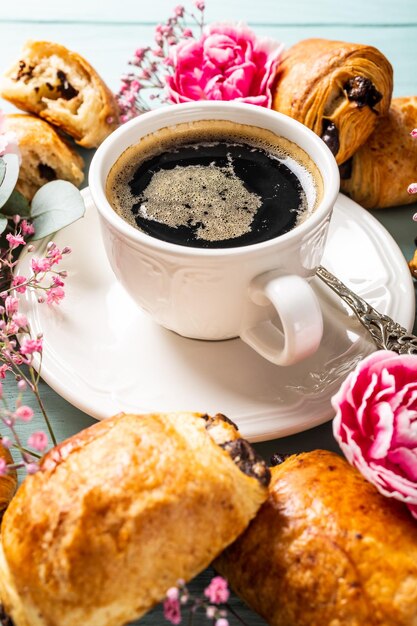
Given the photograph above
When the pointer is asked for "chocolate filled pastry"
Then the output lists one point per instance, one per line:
(61, 87)
(326, 549)
(337, 89)
(45, 155)
(8, 482)
(122, 511)
(379, 173)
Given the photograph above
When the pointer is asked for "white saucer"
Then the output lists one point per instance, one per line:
(103, 355)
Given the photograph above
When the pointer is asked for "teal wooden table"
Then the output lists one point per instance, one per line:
(107, 33)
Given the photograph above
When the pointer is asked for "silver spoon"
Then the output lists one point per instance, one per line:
(387, 334)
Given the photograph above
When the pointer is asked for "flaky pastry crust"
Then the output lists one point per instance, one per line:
(8, 482)
(45, 155)
(337, 89)
(326, 549)
(122, 511)
(61, 86)
(381, 170)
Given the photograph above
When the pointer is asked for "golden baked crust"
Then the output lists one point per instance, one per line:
(382, 169)
(122, 511)
(61, 87)
(45, 155)
(321, 82)
(326, 549)
(412, 264)
(8, 483)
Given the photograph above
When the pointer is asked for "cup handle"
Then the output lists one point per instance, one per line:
(299, 311)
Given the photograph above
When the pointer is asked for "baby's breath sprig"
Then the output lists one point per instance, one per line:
(145, 82)
(213, 603)
(17, 356)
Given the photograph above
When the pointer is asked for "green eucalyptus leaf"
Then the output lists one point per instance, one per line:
(54, 206)
(3, 223)
(2, 170)
(16, 205)
(11, 174)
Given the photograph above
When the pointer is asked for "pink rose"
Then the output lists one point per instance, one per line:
(376, 423)
(227, 63)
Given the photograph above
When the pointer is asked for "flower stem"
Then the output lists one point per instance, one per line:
(233, 612)
(45, 416)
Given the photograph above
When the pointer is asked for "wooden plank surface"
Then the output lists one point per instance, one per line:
(107, 33)
(267, 12)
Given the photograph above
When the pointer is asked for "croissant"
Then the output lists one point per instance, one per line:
(45, 155)
(337, 89)
(380, 171)
(61, 87)
(326, 549)
(118, 513)
(8, 482)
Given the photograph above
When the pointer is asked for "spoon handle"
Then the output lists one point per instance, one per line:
(387, 334)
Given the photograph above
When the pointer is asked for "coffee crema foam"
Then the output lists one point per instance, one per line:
(211, 199)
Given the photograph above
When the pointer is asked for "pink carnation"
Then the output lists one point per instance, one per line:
(217, 591)
(376, 423)
(227, 63)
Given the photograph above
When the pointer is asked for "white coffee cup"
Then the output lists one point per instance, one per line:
(221, 293)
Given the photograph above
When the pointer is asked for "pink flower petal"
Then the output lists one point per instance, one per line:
(376, 423)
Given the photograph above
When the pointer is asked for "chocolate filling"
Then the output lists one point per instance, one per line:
(46, 172)
(66, 90)
(5, 619)
(218, 416)
(247, 460)
(362, 91)
(345, 169)
(277, 459)
(330, 136)
(25, 71)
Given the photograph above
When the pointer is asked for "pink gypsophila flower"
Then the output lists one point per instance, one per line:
(217, 591)
(55, 295)
(24, 413)
(11, 304)
(38, 441)
(15, 240)
(227, 63)
(20, 320)
(18, 282)
(172, 611)
(412, 188)
(8, 139)
(3, 369)
(376, 423)
(29, 346)
(3, 467)
(27, 229)
(41, 265)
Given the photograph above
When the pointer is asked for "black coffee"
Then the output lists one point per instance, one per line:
(221, 190)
